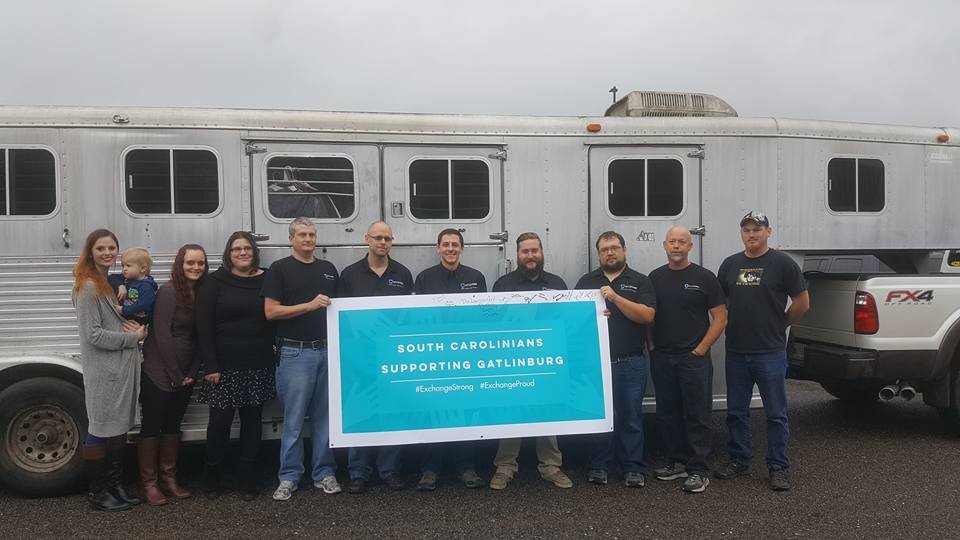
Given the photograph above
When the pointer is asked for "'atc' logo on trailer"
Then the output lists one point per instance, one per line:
(910, 297)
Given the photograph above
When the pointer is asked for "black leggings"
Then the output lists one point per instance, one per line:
(218, 433)
(162, 412)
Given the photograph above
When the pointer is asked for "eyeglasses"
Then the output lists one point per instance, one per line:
(241, 249)
(381, 238)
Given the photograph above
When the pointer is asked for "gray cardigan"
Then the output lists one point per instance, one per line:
(111, 365)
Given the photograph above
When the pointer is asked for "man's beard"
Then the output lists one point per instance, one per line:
(535, 272)
(615, 267)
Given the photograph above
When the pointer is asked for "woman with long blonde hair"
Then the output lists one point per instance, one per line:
(111, 372)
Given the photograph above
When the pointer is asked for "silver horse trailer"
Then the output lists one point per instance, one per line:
(160, 178)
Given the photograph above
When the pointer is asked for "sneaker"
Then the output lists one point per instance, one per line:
(357, 486)
(634, 480)
(731, 469)
(328, 484)
(672, 471)
(285, 490)
(696, 483)
(428, 482)
(394, 482)
(779, 478)
(472, 480)
(500, 480)
(558, 478)
(597, 476)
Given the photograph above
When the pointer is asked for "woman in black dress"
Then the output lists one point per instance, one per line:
(169, 368)
(236, 347)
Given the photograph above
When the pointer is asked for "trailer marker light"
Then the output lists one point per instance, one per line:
(943, 137)
(593, 128)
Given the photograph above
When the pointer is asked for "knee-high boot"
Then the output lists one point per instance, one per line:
(115, 450)
(169, 449)
(147, 448)
(100, 496)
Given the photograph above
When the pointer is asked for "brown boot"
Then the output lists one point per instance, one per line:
(147, 457)
(169, 448)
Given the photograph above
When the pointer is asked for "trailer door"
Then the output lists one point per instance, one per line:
(431, 188)
(336, 185)
(641, 192)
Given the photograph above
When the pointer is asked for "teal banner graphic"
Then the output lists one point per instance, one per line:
(444, 367)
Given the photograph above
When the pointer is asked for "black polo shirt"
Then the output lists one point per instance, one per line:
(626, 337)
(516, 281)
(685, 298)
(291, 282)
(438, 280)
(359, 280)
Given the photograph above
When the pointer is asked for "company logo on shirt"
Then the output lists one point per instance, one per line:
(396, 283)
(624, 287)
(328, 276)
(750, 277)
(691, 287)
(468, 286)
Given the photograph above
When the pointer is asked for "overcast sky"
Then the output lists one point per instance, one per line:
(870, 61)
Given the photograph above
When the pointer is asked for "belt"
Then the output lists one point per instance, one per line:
(315, 344)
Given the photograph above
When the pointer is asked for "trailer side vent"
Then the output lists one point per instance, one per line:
(646, 104)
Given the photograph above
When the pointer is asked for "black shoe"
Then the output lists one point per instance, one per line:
(100, 497)
(731, 469)
(779, 478)
(395, 483)
(249, 484)
(211, 481)
(357, 486)
(106, 501)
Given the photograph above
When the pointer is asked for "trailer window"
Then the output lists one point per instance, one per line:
(449, 189)
(855, 185)
(172, 181)
(28, 182)
(645, 187)
(319, 187)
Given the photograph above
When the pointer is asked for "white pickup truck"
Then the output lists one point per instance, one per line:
(884, 334)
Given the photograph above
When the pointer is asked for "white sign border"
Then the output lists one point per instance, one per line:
(340, 439)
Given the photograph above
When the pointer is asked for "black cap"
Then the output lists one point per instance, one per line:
(757, 217)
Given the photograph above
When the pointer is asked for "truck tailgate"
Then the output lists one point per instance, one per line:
(830, 318)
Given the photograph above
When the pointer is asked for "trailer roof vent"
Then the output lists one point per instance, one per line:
(670, 104)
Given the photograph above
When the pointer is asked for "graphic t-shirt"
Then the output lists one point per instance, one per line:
(757, 290)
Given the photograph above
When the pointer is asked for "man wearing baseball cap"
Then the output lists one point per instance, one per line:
(757, 283)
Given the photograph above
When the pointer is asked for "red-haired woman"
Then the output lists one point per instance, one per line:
(111, 372)
(170, 365)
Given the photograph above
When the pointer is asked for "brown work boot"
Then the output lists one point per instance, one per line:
(147, 458)
(169, 448)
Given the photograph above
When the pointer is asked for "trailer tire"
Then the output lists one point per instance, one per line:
(853, 392)
(42, 422)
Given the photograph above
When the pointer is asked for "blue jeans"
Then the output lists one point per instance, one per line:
(767, 371)
(629, 384)
(362, 458)
(302, 389)
(461, 453)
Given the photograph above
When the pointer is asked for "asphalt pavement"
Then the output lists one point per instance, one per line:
(884, 471)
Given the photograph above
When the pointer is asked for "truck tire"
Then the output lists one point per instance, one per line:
(853, 392)
(951, 414)
(42, 422)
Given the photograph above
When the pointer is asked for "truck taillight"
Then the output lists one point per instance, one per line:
(865, 319)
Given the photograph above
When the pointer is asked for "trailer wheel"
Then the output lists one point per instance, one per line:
(853, 392)
(42, 421)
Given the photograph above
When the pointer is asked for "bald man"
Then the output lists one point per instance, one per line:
(376, 274)
(691, 316)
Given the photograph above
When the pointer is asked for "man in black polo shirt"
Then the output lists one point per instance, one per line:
(691, 316)
(529, 276)
(758, 281)
(296, 292)
(632, 304)
(375, 275)
(449, 277)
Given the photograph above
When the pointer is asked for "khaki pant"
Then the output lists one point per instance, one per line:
(548, 453)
